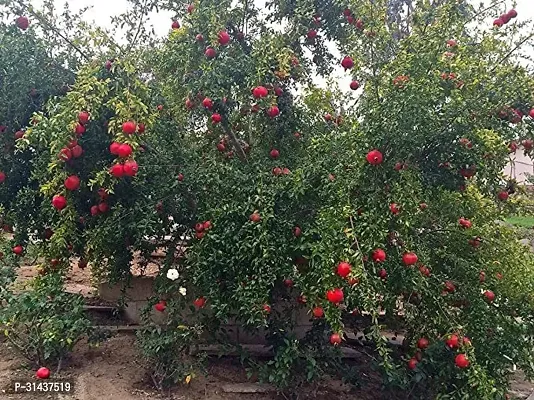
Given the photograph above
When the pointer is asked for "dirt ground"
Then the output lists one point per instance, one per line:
(113, 372)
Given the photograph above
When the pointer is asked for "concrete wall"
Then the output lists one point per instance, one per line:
(141, 289)
(520, 166)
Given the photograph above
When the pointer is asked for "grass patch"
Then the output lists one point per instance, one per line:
(524, 221)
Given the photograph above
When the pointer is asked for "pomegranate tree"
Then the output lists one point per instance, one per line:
(286, 198)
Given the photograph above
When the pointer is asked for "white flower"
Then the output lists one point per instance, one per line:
(183, 291)
(173, 274)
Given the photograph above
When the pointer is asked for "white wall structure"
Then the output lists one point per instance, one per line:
(520, 166)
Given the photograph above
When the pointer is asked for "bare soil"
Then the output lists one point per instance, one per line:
(112, 371)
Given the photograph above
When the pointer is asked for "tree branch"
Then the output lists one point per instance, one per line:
(240, 152)
(521, 43)
(52, 28)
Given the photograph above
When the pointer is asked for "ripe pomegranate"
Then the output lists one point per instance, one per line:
(18, 250)
(354, 85)
(452, 341)
(108, 65)
(312, 34)
(255, 217)
(161, 306)
(374, 157)
(210, 53)
(274, 154)
(498, 22)
(273, 111)
(129, 127)
(79, 130)
(207, 225)
(505, 18)
(347, 63)
(512, 13)
(103, 207)
(175, 25)
(180, 177)
(449, 286)
(72, 183)
(343, 269)
(288, 282)
(83, 117)
(130, 168)
(490, 296)
(412, 363)
(318, 312)
(117, 170)
(335, 295)
(224, 38)
(216, 118)
(461, 361)
(59, 202)
(141, 128)
(302, 299)
(422, 343)
(379, 255)
(423, 206)
(335, 339)
(42, 373)
(260, 91)
(2, 177)
(409, 258)
(77, 151)
(297, 231)
(424, 271)
(528, 144)
(277, 171)
(22, 23)
(221, 147)
(19, 135)
(267, 308)
(383, 274)
(465, 223)
(94, 211)
(207, 103)
(114, 148)
(190, 8)
(503, 195)
(394, 208)
(278, 91)
(124, 150)
(452, 43)
(200, 302)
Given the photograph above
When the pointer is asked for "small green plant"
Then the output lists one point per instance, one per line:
(45, 322)
(166, 348)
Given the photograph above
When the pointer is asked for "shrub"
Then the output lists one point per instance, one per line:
(379, 201)
(43, 323)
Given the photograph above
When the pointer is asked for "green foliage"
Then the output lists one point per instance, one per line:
(43, 323)
(443, 114)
